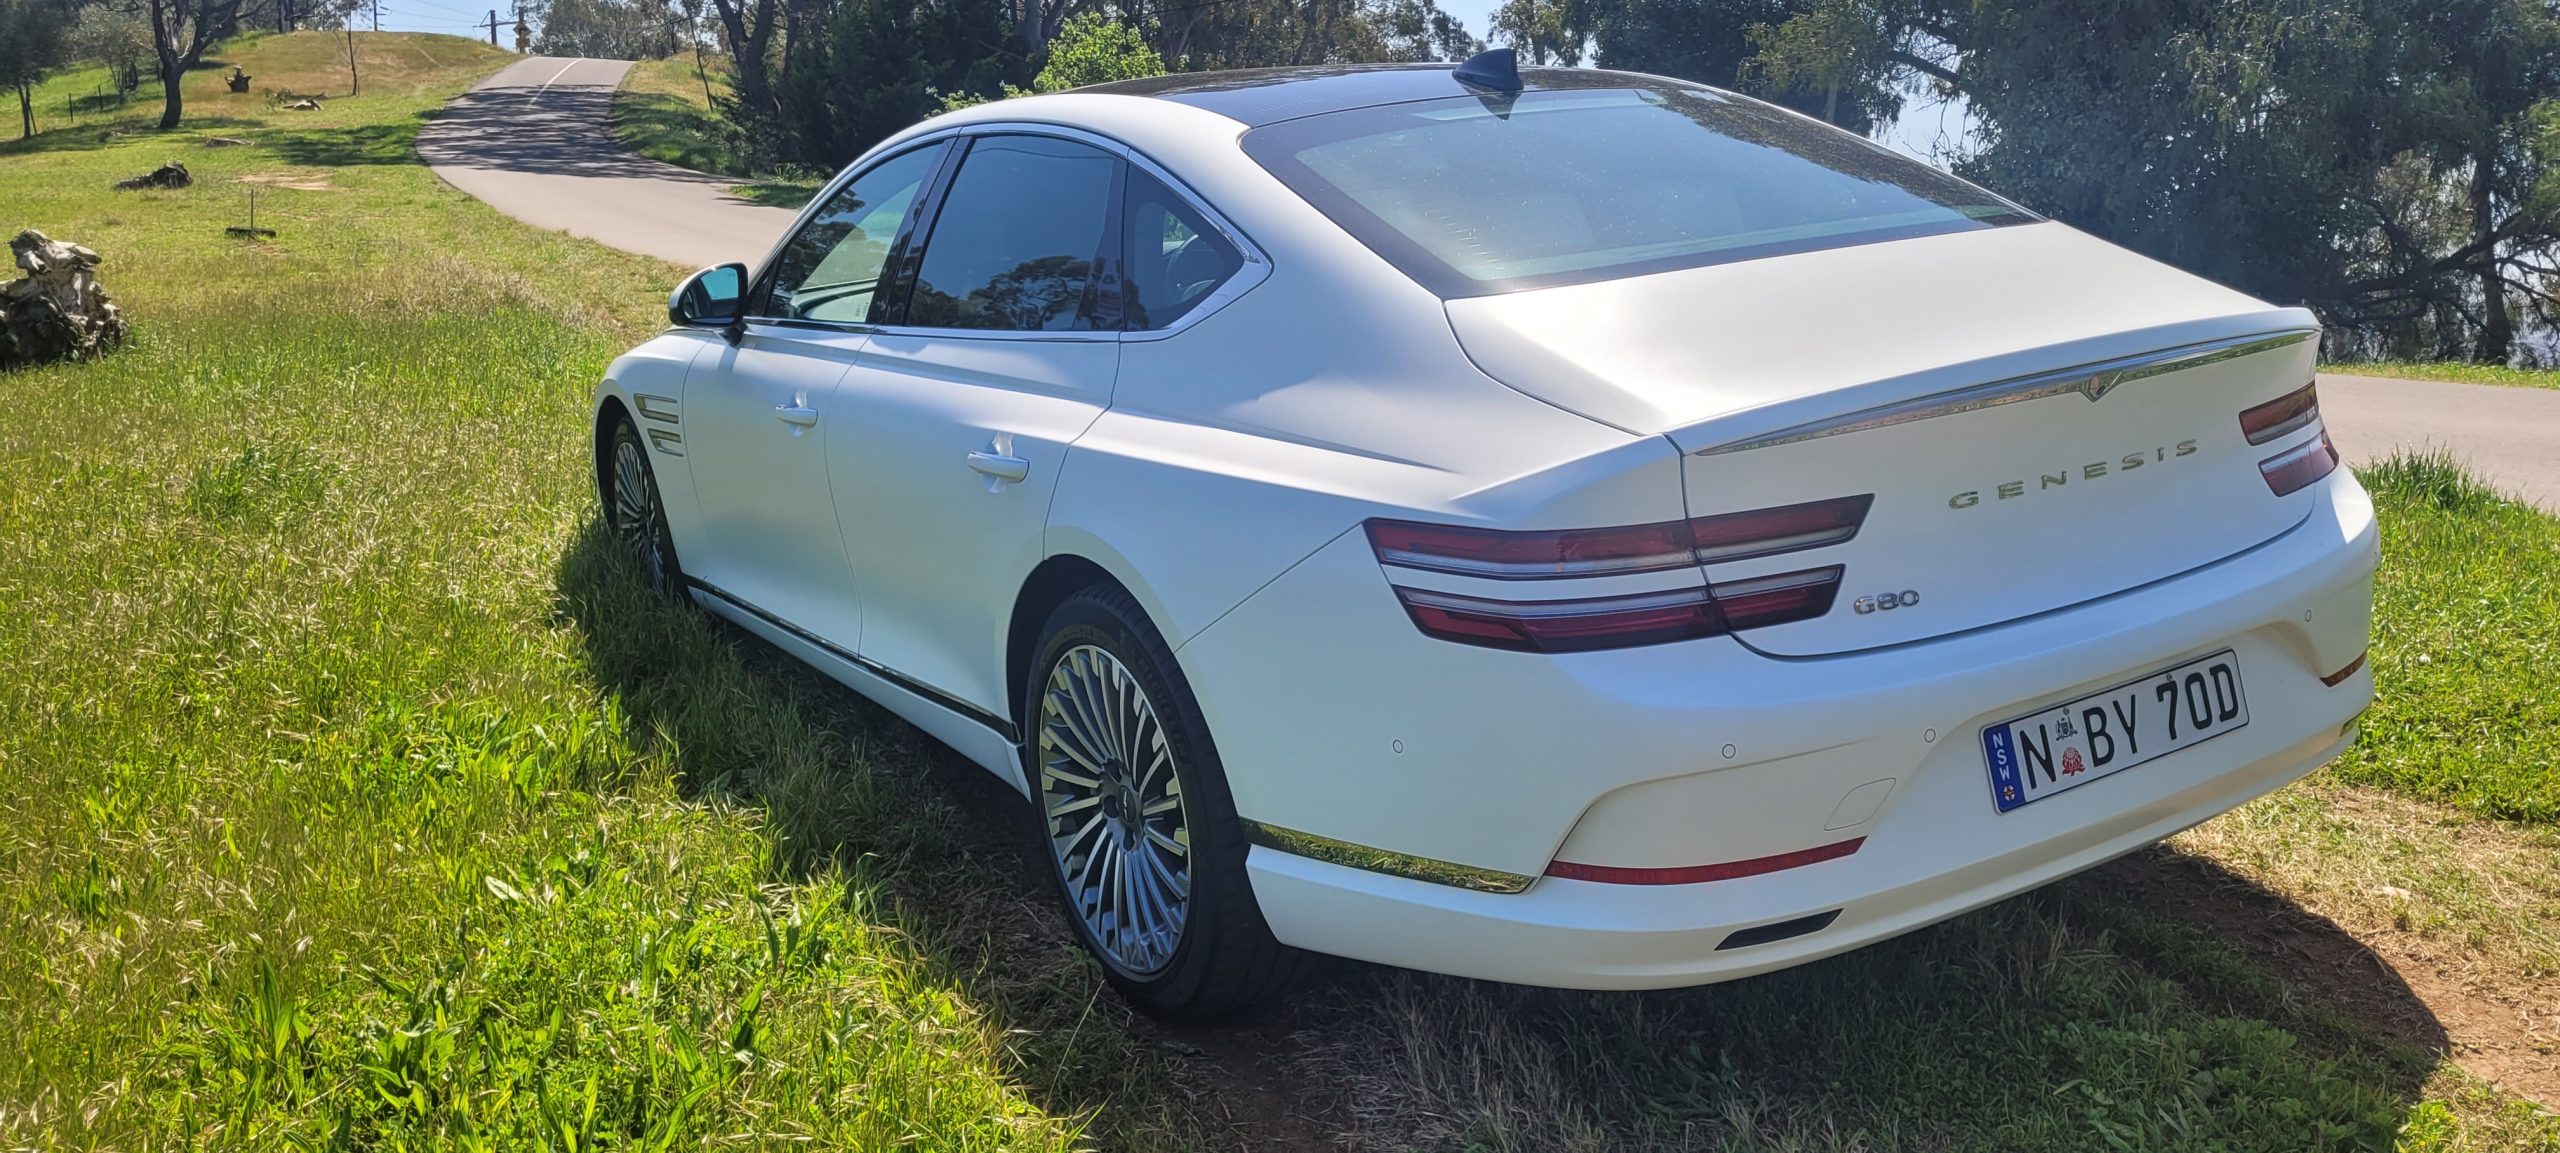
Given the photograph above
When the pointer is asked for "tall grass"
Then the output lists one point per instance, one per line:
(352, 794)
(2466, 646)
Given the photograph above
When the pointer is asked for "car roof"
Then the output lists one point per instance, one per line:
(1259, 96)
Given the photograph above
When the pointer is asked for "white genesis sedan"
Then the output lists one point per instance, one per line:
(1553, 526)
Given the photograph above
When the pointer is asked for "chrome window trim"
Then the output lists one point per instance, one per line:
(2093, 381)
(861, 166)
(1344, 853)
(1257, 264)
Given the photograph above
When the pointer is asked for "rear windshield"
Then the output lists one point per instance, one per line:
(1476, 195)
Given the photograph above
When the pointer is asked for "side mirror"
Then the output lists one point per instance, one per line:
(709, 298)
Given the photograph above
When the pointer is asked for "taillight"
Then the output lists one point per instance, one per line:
(1770, 531)
(1501, 555)
(2283, 416)
(1584, 552)
(2288, 471)
(1586, 623)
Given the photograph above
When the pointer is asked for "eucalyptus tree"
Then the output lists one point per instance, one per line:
(35, 39)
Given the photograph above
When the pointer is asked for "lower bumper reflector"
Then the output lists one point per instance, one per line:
(1764, 934)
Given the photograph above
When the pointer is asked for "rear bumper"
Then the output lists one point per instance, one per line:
(1336, 718)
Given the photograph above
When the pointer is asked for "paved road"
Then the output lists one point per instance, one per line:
(533, 141)
(2510, 436)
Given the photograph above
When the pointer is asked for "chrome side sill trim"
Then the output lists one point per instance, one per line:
(1002, 727)
(1345, 853)
(2094, 381)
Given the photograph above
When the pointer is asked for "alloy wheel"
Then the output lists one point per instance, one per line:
(636, 516)
(1111, 803)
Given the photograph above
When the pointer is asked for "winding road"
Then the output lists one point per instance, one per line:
(534, 141)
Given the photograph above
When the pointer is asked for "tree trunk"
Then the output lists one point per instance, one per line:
(171, 70)
(2497, 324)
(747, 51)
(26, 110)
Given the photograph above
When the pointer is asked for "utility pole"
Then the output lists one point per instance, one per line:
(493, 28)
(377, 15)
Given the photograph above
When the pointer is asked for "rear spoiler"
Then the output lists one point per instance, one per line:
(2090, 367)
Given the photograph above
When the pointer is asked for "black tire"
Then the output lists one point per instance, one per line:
(633, 511)
(1224, 958)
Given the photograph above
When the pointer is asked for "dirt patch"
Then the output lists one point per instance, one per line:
(1264, 1100)
(2427, 925)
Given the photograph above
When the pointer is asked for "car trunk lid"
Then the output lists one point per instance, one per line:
(2043, 419)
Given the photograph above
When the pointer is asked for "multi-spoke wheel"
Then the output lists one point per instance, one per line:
(1113, 805)
(1135, 817)
(632, 508)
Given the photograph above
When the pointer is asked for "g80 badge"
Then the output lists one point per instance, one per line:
(1884, 602)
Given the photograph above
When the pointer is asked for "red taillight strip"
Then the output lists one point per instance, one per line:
(1588, 623)
(1770, 531)
(1550, 555)
(2283, 416)
(2287, 472)
(1698, 874)
(1554, 554)
(1776, 600)
(2339, 677)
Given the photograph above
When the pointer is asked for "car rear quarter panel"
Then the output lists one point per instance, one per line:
(1248, 441)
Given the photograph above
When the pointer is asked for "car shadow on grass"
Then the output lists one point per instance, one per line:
(847, 786)
(2119, 1006)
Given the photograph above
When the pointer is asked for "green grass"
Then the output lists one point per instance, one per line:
(2452, 370)
(664, 112)
(2466, 648)
(351, 793)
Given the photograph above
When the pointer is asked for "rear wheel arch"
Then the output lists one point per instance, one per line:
(1051, 582)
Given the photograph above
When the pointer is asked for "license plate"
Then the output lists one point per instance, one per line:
(2142, 720)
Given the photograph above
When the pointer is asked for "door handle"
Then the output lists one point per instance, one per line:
(999, 467)
(796, 415)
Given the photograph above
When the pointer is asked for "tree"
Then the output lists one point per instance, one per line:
(1192, 35)
(867, 68)
(180, 32)
(1417, 30)
(114, 38)
(2388, 163)
(747, 28)
(1095, 49)
(1542, 30)
(35, 39)
(609, 29)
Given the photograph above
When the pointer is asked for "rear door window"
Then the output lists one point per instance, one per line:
(1018, 239)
